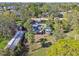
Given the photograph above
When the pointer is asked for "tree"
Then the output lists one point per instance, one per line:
(34, 10)
(64, 47)
(7, 29)
(7, 24)
(43, 41)
(58, 29)
(45, 8)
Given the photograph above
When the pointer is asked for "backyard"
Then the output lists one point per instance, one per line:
(39, 29)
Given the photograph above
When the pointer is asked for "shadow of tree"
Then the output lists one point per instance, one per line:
(47, 44)
(23, 49)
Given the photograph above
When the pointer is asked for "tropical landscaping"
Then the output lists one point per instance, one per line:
(39, 29)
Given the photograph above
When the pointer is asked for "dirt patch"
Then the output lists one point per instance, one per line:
(39, 36)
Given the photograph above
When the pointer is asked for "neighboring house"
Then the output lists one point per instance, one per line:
(11, 7)
(44, 14)
(57, 18)
(60, 16)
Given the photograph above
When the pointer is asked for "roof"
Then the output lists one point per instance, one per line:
(39, 19)
(15, 40)
(11, 7)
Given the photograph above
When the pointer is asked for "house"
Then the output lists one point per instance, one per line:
(39, 19)
(15, 40)
(18, 37)
(38, 26)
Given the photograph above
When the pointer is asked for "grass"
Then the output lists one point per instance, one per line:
(40, 52)
(49, 37)
(3, 44)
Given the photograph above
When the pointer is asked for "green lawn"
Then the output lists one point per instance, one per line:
(3, 43)
(40, 52)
